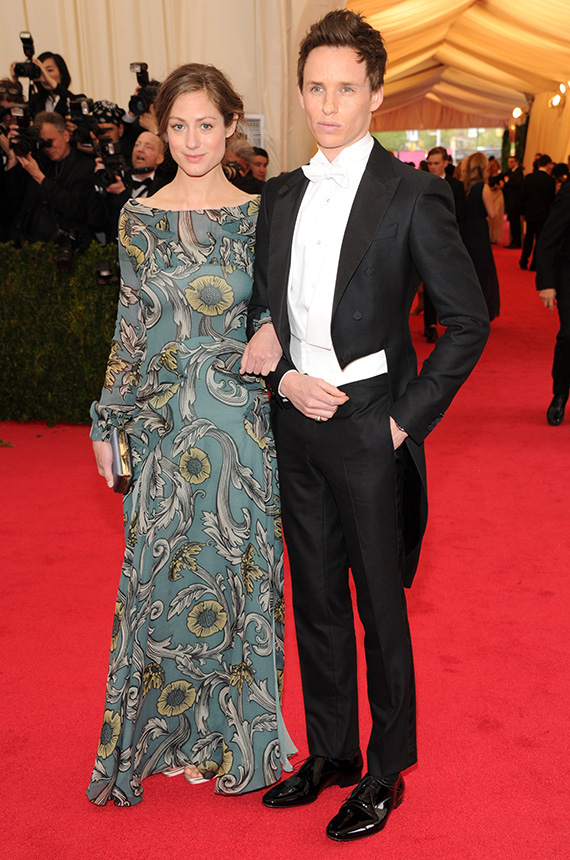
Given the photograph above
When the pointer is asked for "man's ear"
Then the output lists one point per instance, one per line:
(301, 99)
(377, 99)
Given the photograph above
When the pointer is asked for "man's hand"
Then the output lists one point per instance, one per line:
(314, 397)
(104, 459)
(398, 435)
(30, 164)
(548, 298)
(261, 355)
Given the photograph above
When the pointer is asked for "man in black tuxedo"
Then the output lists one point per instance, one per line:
(341, 247)
(553, 282)
(513, 192)
(437, 161)
(539, 189)
(143, 180)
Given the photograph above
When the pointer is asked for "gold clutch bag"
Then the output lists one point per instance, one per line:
(122, 464)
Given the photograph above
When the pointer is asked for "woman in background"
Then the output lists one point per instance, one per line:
(197, 651)
(496, 183)
(475, 232)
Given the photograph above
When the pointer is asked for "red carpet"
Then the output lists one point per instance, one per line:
(488, 615)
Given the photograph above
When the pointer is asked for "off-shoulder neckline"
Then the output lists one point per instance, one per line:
(139, 203)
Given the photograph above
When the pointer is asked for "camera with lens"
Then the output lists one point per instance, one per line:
(81, 115)
(67, 241)
(140, 103)
(107, 273)
(114, 162)
(27, 69)
(28, 138)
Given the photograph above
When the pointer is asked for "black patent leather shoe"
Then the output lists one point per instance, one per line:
(316, 773)
(555, 412)
(366, 809)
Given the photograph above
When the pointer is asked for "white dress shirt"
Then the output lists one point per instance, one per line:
(317, 240)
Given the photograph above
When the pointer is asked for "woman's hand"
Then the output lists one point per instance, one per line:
(104, 459)
(46, 80)
(262, 353)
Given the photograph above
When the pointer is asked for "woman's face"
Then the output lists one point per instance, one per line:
(196, 134)
(51, 68)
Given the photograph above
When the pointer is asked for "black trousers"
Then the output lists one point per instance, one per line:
(533, 229)
(561, 365)
(340, 505)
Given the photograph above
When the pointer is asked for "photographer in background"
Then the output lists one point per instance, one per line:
(143, 180)
(141, 115)
(237, 165)
(259, 164)
(51, 88)
(48, 183)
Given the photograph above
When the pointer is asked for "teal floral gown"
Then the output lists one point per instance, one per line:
(196, 664)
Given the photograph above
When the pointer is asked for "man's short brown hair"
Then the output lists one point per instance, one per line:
(439, 150)
(344, 29)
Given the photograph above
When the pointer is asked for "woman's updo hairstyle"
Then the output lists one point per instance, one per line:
(194, 78)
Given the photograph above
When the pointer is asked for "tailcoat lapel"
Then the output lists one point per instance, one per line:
(373, 197)
(282, 228)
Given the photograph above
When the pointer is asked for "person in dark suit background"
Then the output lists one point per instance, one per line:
(143, 180)
(553, 283)
(437, 161)
(512, 192)
(341, 247)
(538, 193)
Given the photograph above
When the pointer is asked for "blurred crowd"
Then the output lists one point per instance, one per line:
(69, 163)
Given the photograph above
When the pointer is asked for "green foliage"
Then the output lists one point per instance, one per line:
(520, 143)
(55, 332)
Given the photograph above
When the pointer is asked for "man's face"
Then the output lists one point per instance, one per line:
(59, 147)
(513, 163)
(437, 164)
(550, 167)
(259, 167)
(109, 131)
(337, 98)
(147, 152)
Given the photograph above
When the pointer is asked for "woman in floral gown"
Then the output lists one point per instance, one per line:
(196, 662)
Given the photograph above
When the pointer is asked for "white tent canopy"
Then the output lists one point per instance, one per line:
(462, 63)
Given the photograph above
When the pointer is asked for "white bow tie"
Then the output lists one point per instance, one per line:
(315, 171)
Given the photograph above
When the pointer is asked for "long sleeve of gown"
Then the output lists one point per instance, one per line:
(118, 400)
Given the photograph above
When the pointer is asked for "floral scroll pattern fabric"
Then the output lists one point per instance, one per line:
(196, 662)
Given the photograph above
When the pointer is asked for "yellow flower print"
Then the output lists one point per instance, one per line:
(262, 442)
(169, 358)
(176, 698)
(207, 618)
(110, 732)
(250, 571)
(183, 559)
(127, 231)
(115, 365)
(195, 466)
(117, 619)
(209, 295)
(253, 207)
(160, 400)
(153, 677)
(212, 768)
(240, 673)
(132, 535)
(280, 683)
(279, 610)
